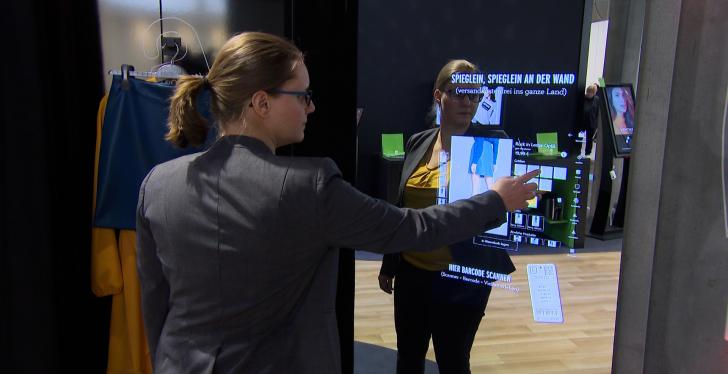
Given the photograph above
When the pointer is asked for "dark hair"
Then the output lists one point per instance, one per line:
(246, 63)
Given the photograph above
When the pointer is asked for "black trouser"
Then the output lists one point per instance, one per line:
(589, 140)
(419, 313)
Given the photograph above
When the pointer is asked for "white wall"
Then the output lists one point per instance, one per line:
(597, 51)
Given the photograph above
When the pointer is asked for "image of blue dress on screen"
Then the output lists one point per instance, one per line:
(483, 157)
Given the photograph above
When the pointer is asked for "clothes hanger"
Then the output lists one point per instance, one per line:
(168, 70)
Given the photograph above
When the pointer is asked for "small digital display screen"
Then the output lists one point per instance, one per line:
(620, 105)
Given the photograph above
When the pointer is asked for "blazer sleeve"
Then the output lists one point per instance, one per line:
(352, 219)
(154, 285)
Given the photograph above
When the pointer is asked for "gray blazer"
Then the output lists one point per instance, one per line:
(237, 255)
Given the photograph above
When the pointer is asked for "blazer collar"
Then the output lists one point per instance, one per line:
(413, 158)
(255, 145)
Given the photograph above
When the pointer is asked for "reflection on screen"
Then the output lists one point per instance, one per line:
(552, 220)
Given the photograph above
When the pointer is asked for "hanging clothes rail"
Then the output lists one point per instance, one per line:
(144, 74)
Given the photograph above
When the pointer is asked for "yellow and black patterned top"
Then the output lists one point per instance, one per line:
(421, 192)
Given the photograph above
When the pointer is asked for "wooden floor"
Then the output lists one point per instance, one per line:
(509, 341)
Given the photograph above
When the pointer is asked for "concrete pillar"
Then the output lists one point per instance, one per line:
(621, 64)
(671, 310)
(624, 39)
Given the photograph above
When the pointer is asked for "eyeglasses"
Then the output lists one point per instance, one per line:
(473, 97)
(307, 95)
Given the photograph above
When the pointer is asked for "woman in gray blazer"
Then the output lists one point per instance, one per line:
(237, 247)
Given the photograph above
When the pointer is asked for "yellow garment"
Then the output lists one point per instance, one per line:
(106, 276)
(421, 192)
(113, 272)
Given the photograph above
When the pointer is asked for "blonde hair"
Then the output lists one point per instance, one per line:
(246, 63)
(444, 77)
(452, 67)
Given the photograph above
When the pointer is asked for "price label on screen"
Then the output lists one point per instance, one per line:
(543, 283)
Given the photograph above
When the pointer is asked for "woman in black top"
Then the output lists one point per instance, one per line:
(426, 305)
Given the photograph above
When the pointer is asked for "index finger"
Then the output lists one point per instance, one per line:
(528, 176)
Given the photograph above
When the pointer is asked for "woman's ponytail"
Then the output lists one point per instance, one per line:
(186, 126)
(246, 63)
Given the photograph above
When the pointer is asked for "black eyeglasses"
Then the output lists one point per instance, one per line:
(473, 97)
(307, 95)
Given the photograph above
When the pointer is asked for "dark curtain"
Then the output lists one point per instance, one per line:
(326, 32)
(52, 82)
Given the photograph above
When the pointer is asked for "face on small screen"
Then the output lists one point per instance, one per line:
(622, 110)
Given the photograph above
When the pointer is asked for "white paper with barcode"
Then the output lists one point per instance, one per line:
(543, 283)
